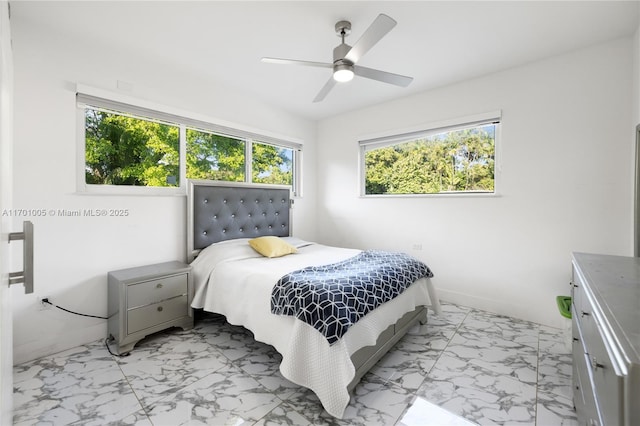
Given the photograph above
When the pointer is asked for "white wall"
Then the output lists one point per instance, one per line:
(74, 254)
(565, 182)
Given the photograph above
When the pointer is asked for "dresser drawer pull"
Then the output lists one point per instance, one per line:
(159, 285)
(595, 364)
(585, 314)
(159, 308)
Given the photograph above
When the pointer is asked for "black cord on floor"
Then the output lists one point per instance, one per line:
(106, 343)
(71, 312)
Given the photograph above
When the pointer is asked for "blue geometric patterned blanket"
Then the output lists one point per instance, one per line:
(331, 298)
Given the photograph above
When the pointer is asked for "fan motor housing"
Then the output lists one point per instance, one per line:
(340, 52)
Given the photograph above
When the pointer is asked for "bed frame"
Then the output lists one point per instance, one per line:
(219, 211)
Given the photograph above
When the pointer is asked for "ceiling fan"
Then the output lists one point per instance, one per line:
(345, 57)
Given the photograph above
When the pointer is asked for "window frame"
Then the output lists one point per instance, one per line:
(372, 142)
(92, 97)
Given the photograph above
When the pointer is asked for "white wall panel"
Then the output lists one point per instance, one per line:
(74, 254)
(564, 182)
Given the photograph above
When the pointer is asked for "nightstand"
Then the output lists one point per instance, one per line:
(148, 299)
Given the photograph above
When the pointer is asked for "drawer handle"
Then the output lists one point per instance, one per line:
(159, 308)
(595, 364)
(159, 285)
(585, 314)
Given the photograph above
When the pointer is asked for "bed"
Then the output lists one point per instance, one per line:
(234, 280)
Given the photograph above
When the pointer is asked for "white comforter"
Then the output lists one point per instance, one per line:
(234, 280)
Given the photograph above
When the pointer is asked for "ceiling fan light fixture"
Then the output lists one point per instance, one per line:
(345, 57)
(343, 73)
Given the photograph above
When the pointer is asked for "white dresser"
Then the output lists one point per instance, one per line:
(148, 299)
(606, 339)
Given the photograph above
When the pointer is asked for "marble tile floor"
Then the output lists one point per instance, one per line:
(464, 367)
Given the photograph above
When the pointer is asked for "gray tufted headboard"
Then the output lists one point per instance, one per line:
(219, 211)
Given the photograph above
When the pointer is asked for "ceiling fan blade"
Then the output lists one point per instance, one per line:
(378, 29)
(296, 62)
(325, 90)
(385, 77)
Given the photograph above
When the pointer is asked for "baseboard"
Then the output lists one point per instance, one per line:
(543, 316)
(45, 347)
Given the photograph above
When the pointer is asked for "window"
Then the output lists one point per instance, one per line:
(454, 159)
(272, 164)
(214, 157)
(126, 150)
(130, 149)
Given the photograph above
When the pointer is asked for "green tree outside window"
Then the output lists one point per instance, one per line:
(272, 164)
(123, 150)
(214, 157)
(456, 161)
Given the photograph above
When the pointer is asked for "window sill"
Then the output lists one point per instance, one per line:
(131, 191)
(440, 195)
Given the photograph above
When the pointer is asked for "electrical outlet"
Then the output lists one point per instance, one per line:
(417, 246)
(42, 306)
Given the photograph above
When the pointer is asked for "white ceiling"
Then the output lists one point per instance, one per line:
(436, 42)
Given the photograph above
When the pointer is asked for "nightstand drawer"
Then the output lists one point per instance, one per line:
(157, 290)
(152, 315)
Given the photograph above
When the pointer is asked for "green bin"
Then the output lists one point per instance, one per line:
(564, 306)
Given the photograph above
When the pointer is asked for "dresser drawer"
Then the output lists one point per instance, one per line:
(584, 398)
(607, 383)
(577, 291)
(579, 388)
(157, 313)
(153, 291)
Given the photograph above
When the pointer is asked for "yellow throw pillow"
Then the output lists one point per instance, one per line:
(271, 246)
